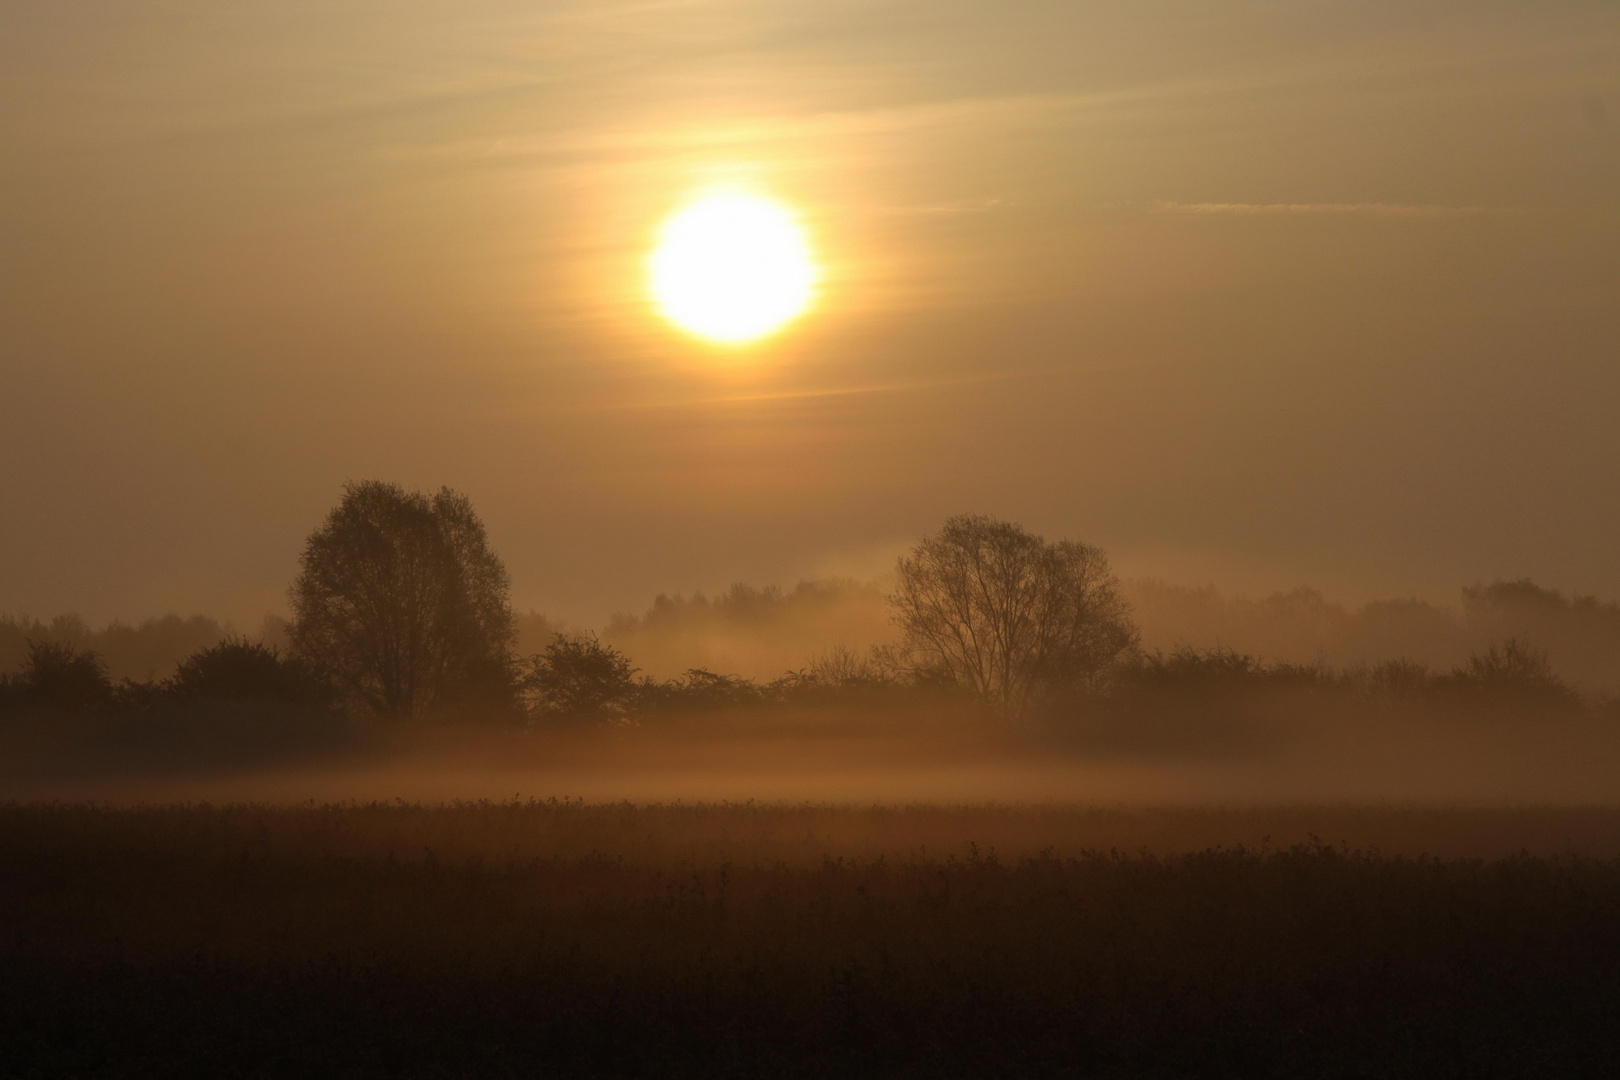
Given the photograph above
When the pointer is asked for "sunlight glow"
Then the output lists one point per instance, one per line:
(732, 267)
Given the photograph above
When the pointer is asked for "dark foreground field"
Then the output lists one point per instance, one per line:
(545, 939)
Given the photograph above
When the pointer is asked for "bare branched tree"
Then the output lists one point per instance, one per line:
(402, 604)
(1009, 616)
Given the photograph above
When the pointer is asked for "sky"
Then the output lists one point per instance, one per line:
(1252, 294)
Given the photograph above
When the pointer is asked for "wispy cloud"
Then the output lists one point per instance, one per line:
(1341, 209)
(960, 206)
(680, 134)
(767, 397)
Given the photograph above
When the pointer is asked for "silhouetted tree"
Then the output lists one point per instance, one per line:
(1009, 615)
(240, 670)
(580, 678)
(57, 677)
(402, 604)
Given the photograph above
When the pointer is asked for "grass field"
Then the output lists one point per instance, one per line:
(570, 939)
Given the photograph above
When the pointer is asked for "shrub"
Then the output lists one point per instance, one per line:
(698, 690)
(240, 670)
(580, 678)
(1513, 674)
(56, 677)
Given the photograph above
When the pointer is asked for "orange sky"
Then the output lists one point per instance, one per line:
(1248, 293)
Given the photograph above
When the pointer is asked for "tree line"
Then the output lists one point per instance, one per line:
(143, 651)
(401, 612)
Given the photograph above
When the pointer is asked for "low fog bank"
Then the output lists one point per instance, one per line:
(1273, 755)
(802, 695)
(755, 633)
(1579, 634)
(759, 633)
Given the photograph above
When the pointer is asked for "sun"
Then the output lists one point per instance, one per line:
(732, 267)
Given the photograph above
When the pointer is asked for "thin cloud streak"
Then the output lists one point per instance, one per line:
(831, 392)
(695, 135)
(1362, 209)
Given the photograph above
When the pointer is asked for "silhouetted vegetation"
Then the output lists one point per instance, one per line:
(566, 940)
(756, 631)
(141, 652)
(1008, 616)
(403, 614)
(402, 605)
(237, 703)
(60, 681)
(240, 670)
(1513, 674)
(580, 679)
(1581, 635)
(1195, 698)
(57, 678)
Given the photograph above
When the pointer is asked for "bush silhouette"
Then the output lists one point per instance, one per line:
(700, 689)
(580, 678)
(57, 677)
(240, 670)
(1513, 673)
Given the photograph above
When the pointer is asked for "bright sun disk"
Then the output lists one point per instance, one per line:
(732, 268)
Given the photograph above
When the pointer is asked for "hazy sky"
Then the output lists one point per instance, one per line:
(1247, 293)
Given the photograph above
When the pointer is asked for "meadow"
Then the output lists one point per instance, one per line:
(563, 938)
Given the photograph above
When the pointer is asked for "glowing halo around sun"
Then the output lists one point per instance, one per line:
(732, 267)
